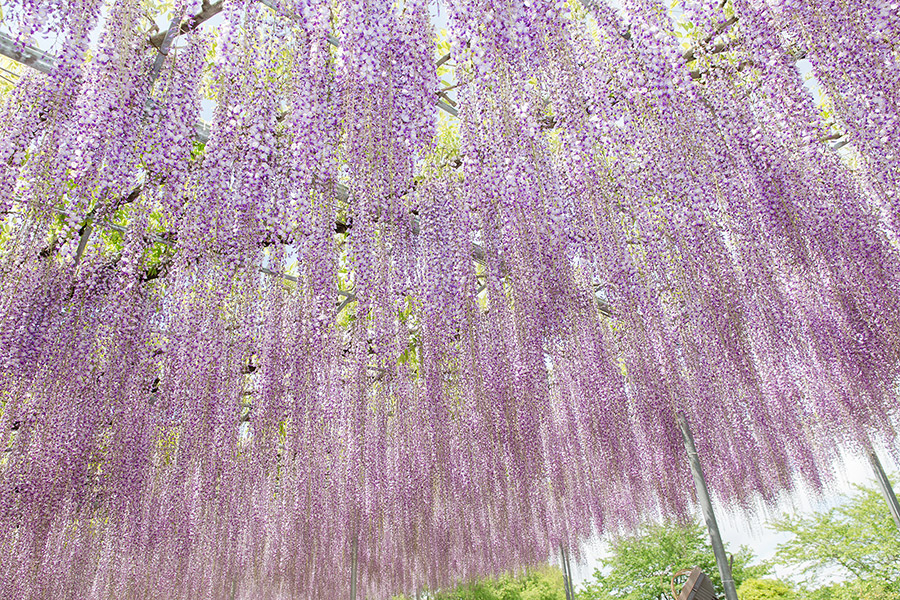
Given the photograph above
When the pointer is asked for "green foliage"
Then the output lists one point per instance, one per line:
(766, 589)
(853, 590)
(857, 539)
(544, 583)
(641, 566)
(197, 150)
(10, 71)
(156, 12)
(442, 47)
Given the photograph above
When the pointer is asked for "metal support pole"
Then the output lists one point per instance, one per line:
(569, 580)
(706, 505)
(354, 550)
(565, 570)
(85, 234)
(885, 485)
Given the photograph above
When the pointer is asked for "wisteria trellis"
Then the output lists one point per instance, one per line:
(656, 231)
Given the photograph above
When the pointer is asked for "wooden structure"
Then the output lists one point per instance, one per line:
(697, 587)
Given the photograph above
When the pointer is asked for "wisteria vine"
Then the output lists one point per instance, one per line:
(332, 320)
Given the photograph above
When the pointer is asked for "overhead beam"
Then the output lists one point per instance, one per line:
(32, 57)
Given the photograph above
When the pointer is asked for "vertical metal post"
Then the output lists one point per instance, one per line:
(85, 234)
(569, 579)
(885, 485)
(706, 505)
(353, 558)
(565, 570)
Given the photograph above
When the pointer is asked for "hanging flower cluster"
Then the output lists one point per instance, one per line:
(236, 361)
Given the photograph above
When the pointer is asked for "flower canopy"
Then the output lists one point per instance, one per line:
(436, 302)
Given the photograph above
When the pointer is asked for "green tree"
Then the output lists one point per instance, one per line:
(766, 589)
(543, 583)
(640, 566)
(853, 590)
(857, 539)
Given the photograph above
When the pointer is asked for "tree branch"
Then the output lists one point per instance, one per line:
(690, 55)
(207, 12)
